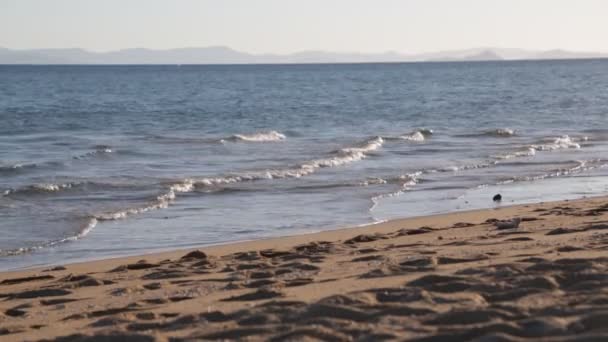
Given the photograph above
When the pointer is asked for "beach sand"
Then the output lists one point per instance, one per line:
(452, 277)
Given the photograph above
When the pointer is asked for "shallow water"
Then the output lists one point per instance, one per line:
(99, 161)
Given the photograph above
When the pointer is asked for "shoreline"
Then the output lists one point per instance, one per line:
(455, 274)
(172, 250)
(244, 243)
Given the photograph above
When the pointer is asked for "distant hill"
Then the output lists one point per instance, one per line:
(562, 54)
(226, 55)
(486, 55)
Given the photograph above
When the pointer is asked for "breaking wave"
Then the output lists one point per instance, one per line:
(581, 166)
(85, 229)
(99, 151)
(500, 132)
(16, 168)
(563, 142)
(337, 158)
(496, 133)
(265, 136)
(40, 188)
(417, 135)
(23, 167)
(455, 168)
(258, 137)
(405, 182)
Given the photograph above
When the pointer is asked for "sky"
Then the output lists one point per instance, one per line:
(285, 26)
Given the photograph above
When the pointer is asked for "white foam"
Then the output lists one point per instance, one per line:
(528, 152)
(16, 166)
(260, 137)
(454, 168)
(100, 151)
(409, 179)
(502, 132)
(415, 136)
(368, 146)
(162, 201)
(373, 181)
(559, 143)
(50, 187)
(343, 156)
(405, 181)
(340, 157)
(42, 188)
(85, 230)
(582, 166)
(563, 142)
(426, 132)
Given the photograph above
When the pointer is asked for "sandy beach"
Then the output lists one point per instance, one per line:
(453, 277)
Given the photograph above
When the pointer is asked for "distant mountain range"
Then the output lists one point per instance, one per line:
(225, 55)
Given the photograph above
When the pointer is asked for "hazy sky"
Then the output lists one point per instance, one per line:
(280, 26)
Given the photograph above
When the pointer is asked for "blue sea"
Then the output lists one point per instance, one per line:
(105, 161)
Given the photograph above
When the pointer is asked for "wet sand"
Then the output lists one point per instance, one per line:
(474, 275)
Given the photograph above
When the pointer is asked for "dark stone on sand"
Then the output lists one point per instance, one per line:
(56, 268)
(415, 231)
(141, 265)
(363, 238)
(82, 280)
(40, 293)
(15, 312)
(195, 255)
(25, 279)
(105, 337)
(463, 225)
(559, 231)
(269, 253)
(258, 295)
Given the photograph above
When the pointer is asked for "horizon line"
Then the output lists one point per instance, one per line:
(480, 47)
(313, 63)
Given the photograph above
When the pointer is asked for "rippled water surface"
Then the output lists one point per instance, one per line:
(99, 161)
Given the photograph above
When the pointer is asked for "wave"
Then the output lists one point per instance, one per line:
(500, 132)
(340, 157)
(163, 200)
(581, 166)
(84, 231)
(179, 140)
(99, 151)
(373, 181)
(405, 182)
(551, 144)
(563, 142)
(496, 133)
(257, 137)
(51, 188)
(417, 135)
(337, 158)
(265, 136)
(527, 152)
(40, 188)
(455, 168)
(16, 168)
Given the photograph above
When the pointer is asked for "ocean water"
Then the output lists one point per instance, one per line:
(103, 161)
